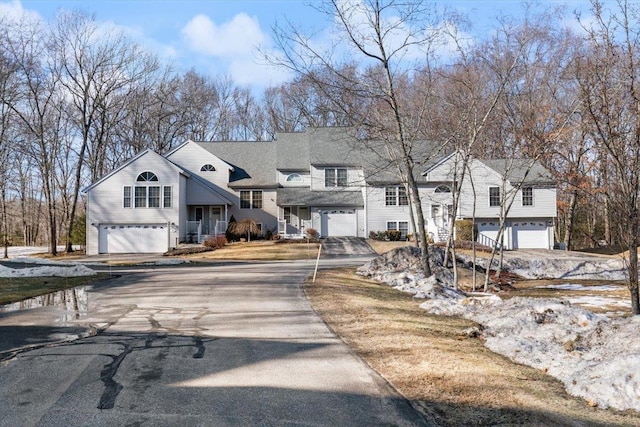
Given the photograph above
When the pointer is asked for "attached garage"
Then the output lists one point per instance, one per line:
(530, 235)
(339, 222)
(133, 238)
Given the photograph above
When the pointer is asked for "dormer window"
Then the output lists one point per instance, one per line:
(294, 177)
(442, 189)
(207, 168)
(147, 177)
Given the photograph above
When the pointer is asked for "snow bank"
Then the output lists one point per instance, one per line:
(596, 358)
(559, 268)
(48, 271)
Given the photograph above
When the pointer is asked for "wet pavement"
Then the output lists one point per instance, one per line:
(231, 344)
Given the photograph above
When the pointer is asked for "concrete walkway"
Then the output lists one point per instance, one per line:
(227, 345)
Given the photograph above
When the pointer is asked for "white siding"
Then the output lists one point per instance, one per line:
(105, 201)
(192, 157)
(378, 214)
(267, 216)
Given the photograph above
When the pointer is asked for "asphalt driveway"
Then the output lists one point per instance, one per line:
(234, 344)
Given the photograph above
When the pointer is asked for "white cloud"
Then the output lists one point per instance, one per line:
(238, 37)
(14, 11)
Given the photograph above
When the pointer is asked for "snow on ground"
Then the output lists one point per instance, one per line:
(47, 271)
(25, 251)
(560, 268)
(597, 358)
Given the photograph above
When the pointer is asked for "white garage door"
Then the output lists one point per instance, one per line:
(530, 235)
(339, 222)
(130, 238)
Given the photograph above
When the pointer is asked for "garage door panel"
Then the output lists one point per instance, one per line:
(530, 235)
(133, 238)
(339, 222)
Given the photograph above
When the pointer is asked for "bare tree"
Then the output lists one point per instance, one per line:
(610, 83)
(94, 68)
(382, 34)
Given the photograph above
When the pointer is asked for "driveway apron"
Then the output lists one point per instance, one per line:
(233, 344)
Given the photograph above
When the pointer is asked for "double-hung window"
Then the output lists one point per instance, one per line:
(335, 177)
(167, 196)
(494, 196)
(140, 197)
(250, 199)
(395, 196)
(527, 196)
(401, 226)
(154, 196)
(126, 197)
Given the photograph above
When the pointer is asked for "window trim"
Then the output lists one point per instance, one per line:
(397, 227)
(442, 188)
(166, 197)
(157, 201)
(127, 199)
(396, 196)
(529, 197)
(493, 197)
(147, 176)
(253, 200)
(142, 197)
(335, 178)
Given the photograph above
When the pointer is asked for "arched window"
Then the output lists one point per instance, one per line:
(147, 177)
(207, 168)
(294, 177)
(442, 189)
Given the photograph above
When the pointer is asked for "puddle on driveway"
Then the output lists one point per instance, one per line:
(72, 303)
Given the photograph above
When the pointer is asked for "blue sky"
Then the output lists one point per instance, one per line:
(182, 31)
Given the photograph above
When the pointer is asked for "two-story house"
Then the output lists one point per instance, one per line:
(323, 178)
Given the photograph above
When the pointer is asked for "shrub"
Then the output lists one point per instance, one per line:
(465, 230)
(394, 235)
(378, 235)
(312, 233)
(215, 242)
(229, 233)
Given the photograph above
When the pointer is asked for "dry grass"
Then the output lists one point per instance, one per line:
(20, 288)
(262, 250)
(453, 378)
(381, 246)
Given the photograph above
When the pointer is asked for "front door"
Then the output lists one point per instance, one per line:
(199, 216)
(215, 215)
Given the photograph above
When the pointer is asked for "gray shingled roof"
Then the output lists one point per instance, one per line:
(521, 170)
(254, 163)
(301, 196)
(293, 151)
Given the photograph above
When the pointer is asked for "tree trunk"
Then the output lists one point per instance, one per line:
(568, 225)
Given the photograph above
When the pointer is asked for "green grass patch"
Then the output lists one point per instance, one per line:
(19, 288)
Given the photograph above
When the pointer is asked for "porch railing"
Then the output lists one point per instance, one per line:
(221, 227)
(282, 227)
(194, 231)
(488, 241)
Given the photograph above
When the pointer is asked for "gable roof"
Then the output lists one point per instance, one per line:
(526, 171)
(253, 163)
(190, 142)
(519, 171)
(141, 154)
